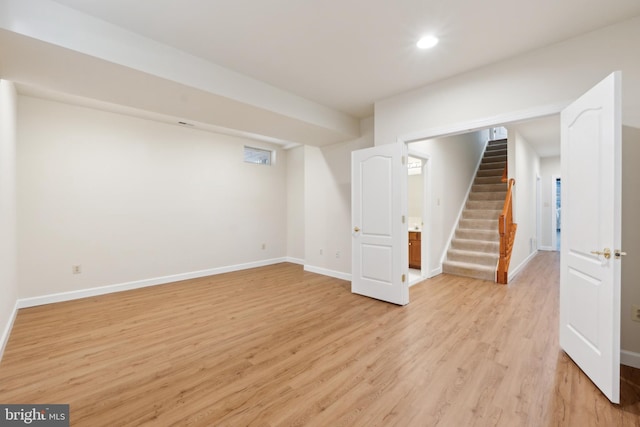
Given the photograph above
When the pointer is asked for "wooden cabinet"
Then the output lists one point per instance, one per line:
(415, 252)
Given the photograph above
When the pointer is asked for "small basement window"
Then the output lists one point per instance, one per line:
(257, 156)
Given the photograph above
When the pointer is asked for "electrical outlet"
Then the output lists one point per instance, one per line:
(635, 312)
(338, 254)
(264, 246)
(76, 269)
(321, 252)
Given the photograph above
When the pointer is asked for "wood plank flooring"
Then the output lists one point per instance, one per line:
(277, 346)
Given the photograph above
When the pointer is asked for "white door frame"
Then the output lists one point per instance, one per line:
(554, 216)
(425, 262)
(480, 124)
(476, 125)
(538, 211)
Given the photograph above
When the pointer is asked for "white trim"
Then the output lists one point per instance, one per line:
(546, 248)
(435, 272)
(630, 358)
(294, 260)
(4, 339)
(487, 122)
(102, 290)
(538, 210)
(517, 270)
(554, 215)
(425, 258)
(327, 272)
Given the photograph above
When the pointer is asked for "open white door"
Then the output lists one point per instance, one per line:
(380, 241)
(591, 217)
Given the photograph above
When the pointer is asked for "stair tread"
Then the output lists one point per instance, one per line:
(480, 210)
(464, 235)
(499, 186)
(462, 243)
(474, 253)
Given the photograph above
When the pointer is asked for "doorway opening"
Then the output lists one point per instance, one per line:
(417, 215)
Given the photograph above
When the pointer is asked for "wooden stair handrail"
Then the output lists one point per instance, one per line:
(507, 230)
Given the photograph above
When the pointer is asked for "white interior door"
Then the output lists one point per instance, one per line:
(380, 262)
(590, 281)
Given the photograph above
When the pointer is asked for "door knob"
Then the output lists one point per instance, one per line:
(356, 229)
(618, 253)
(606, 253)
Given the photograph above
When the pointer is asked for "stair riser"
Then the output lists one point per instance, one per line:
(476, 245)
(487, 236)
(493, 142)
(488, 195)
(492, 215)
(468, 272)
(480, 259)
(485, 204)
(492, 166)
(479, 224)
(483, 173)
(502, 149)
(489, 187)
(484, 180)
(495, 152)
(494, 159)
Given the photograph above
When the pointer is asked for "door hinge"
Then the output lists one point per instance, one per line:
(403, 219)
(404, 277)
(403, 160)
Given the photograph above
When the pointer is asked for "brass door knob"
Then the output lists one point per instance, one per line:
(356, 229)
(606, 253)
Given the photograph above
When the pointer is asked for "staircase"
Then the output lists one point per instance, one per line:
(475, 248)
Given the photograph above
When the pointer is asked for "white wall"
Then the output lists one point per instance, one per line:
(415, 191)
(295, 204)
(524, 166)
(131, 199)
(8, 245)
(452, 164)
(630, 340)
(327, 195)
(556, 74)
(549, 167)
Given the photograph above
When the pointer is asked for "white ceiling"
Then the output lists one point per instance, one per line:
(348, 54)
(542, 134)
(288, 70)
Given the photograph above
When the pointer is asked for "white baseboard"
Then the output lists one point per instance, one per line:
(516, 270)
(102, 290)
(435, 272)
(294, 260)
(546, 248)
(4, 339)
(630, 358)
(327, 272)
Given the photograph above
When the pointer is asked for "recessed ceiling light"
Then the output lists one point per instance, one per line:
(427, 42)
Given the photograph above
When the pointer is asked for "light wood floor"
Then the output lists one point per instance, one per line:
(279, 346)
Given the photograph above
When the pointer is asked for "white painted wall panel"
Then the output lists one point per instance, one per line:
(131, 199)
(8, 243)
